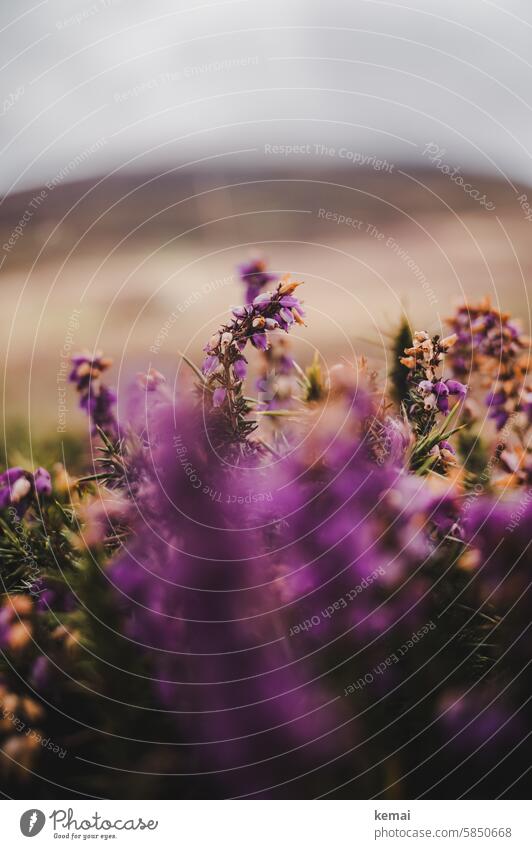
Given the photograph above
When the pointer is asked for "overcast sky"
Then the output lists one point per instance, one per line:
(121, 84)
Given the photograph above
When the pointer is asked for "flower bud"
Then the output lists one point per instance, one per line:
(21, 604)
(19, 635)
(449, 341)
(289, 286)
(226, 339)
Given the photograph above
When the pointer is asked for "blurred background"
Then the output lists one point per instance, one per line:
(378, 150)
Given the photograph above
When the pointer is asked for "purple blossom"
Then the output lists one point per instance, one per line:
(262, 302)
(444, 445)
(436, 393)
(240, 369)
(290, 301)
(252, 324)
(497, 403)
(488, 341)
(100, 409)
(225, 367)
(260, 341)
(197, 583)
(210, 364)
(255, 276)
(42, 481)
(218, 396)
(19, 488)
(96, 399)
(456, 388)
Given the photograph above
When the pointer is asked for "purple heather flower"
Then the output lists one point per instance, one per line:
(456, 388)
(496, 401)
(96, 399)
(99, 408)
(441, 392)
(240, 369)
(15, 486)
(210, 364)
(426, 386)
(443, 404)
(261, 302)
(489, 342)
(87, 368)
(42, 481)
(201, 597)
(255, 277)
(437, 393)
(18, 488)
(260, 341)
(219, 396)
(290, 301)
(287, 316)
(224, 360)
(446, 446)
(440, 388)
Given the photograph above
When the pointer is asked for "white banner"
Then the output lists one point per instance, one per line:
(267, 824)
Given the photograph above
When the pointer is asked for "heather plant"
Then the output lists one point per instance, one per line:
(490, 344)
(290, 587)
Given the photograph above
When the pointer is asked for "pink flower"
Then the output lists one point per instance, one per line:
(218, 396)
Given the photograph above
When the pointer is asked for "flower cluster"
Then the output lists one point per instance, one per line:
(95, 398)
(490, 343)
(19, 488)
(429, 394)
(338, 592)
(424, 359)
(277, 386)
(225, 617)
(483, 331)
(225, 365)
(426, 354)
